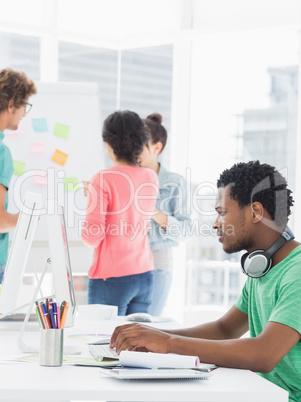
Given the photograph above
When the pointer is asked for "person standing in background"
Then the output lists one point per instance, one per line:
(121, 201)
(15, 90)
(171, 221)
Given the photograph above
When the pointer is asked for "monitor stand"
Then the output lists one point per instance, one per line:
(25, 348)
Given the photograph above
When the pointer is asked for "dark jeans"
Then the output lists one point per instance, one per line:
(132, 293)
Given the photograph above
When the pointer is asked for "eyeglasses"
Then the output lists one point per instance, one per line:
(28, 107)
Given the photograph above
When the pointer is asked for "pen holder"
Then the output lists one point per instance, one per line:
(51, 347)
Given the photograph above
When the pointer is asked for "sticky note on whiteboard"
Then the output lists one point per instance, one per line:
(40, 178)
(40, 125)
(37, 148)
(19, 168)
(71, 183)
(59, 157)
(61, 130)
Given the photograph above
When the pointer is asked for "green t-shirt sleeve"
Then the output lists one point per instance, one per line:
(287, 310)
(6, 166)
(243, 300)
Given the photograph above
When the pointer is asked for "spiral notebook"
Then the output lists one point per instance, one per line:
(125, 373)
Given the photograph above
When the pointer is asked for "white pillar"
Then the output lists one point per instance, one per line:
(49, 43)
(297, 195)
(179, 146)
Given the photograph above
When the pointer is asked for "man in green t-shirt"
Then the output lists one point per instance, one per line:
(15, 90)
(253, 205)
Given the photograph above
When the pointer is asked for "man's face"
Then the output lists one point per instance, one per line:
(233, 224)
(15, 115)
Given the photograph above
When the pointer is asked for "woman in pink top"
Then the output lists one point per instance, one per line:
(121, 202)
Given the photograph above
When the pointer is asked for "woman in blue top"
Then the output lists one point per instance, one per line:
(171, 221)
(15, 89)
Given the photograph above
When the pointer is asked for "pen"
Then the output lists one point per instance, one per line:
(204, 369)
(55, 313)
(64, 315)
(41, 315)
(201, 369)
(38, 315)
(47, 322)
(58, 316)
(52, 316)
(62, 308)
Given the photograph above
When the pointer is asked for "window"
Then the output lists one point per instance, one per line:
(243, 107)
(20, 52)
(91, 64)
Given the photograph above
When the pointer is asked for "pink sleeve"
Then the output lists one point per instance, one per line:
(94, 226)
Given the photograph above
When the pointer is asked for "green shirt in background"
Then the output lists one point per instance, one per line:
(277, 297)
(6, 172)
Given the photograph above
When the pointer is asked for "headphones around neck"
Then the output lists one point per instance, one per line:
(258, 263)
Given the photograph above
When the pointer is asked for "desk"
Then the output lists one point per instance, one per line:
(31, 382)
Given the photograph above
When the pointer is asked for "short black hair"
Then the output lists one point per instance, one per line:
(127, 134)
(255, 182)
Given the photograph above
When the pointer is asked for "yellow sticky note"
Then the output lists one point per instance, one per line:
(61, 130)
(71, 183)
(19, 168)
(59, 157)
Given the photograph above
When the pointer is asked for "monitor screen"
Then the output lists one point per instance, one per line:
(67, 259)
(60, 258)
(19, 252)
(20, 249)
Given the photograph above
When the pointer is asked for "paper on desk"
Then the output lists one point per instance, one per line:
(157, 360)
(86, 361)
(69, 360)
(160, 360)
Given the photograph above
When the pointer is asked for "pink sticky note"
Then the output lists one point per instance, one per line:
(40, 178)
(37, 148)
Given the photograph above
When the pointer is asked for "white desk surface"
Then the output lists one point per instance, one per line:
(31, 382)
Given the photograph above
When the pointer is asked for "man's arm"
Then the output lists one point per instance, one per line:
(231, 325)
(260, 354)
(7, 221)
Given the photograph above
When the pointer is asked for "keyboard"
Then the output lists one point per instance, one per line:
(100, 352)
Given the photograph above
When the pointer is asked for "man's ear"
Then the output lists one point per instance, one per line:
(257, 211)
(10, 105)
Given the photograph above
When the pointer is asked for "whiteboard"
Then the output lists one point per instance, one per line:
(76, 106)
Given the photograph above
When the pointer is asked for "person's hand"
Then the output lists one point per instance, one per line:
(160, 218)
(156, 211)
(137, 337)
(86, 186)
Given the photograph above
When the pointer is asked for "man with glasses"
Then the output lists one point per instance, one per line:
(15, 90)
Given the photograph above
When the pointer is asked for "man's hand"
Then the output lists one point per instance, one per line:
(136, 337)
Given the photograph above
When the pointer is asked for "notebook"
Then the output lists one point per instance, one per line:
(125, 373)
(149, 360)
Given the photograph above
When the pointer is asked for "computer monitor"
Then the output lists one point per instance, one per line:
(19, 252)
(60, 258)
(20, 249)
